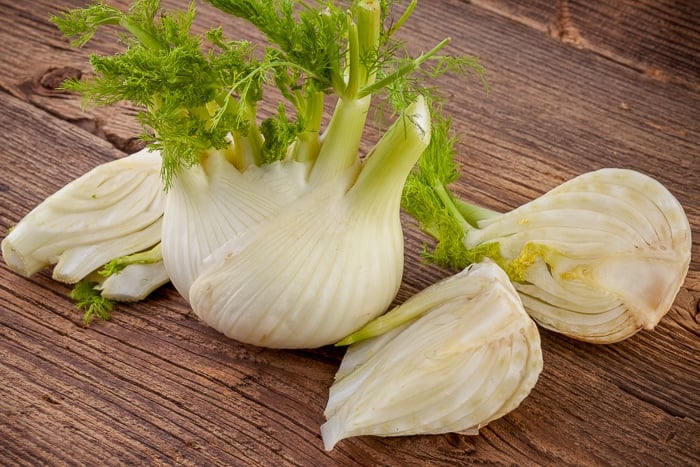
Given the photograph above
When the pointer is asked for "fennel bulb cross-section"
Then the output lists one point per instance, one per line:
(598, 258)
(464, 353)
(111, 211)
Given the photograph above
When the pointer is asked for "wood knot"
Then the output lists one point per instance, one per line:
(54, 77)
(50, 399)
(461, 443)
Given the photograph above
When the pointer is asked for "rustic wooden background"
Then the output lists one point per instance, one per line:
(576, 86)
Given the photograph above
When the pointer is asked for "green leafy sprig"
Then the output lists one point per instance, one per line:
(428, 200)
(89, 300)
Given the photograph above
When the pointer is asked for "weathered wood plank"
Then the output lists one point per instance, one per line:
(658, 38)
(155, 386)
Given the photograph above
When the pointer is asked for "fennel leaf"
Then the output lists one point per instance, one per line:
(89, 300)
(166, 71)
(279, 132)
(427, 199)
(310, 39)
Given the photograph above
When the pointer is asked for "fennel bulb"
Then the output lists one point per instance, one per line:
(598, 258)
(462, 352)
(330, 261)
(212, 202)
(113, 211)
(271, 226)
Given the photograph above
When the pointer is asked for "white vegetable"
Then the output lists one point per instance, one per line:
(598, 258)
(210, 203)
(467, 354)
(135, 282)
(327, 263)
(113, 210)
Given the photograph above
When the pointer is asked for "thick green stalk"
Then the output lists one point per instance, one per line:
(308, 145)
(384, 174)
(246, 150)
(473, 213)
(247, 144)
(368, 19)
(341, 141)
(355, 67)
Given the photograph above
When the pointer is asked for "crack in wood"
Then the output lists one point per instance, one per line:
(55, 77)
(658, 403)
(44, 92)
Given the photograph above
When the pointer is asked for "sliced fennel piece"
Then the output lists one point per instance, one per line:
(77, 262)
(598, 258)
(324, 265)
(113, 210)
(464, 356)
(132, 277)
(135, 282)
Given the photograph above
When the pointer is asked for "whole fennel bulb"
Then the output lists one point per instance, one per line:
(452, 358)
(327, 263)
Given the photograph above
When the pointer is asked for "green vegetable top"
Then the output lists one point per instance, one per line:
(427, 199)
(199, 92)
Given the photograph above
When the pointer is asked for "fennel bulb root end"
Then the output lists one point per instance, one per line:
(22, 264)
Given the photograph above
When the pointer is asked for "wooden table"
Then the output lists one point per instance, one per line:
(575, 87)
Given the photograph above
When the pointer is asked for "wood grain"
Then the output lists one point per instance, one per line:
(154, 386)
(657, 38)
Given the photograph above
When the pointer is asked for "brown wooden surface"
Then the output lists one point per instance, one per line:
(576, 86)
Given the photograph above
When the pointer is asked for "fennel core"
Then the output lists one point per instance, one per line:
(230, 176)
